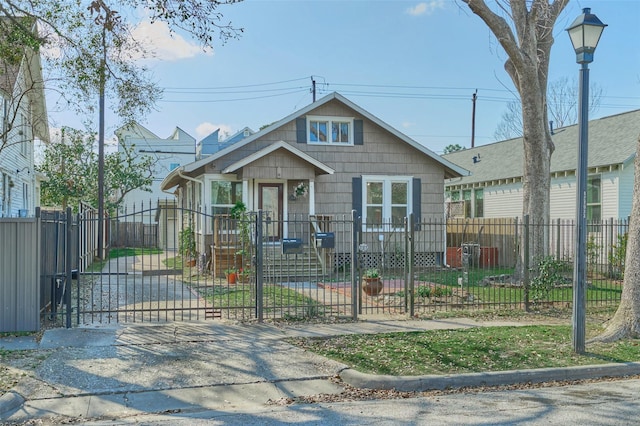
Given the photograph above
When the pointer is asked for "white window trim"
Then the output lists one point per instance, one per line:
(330, 119)
(386, 201)
(227, 178)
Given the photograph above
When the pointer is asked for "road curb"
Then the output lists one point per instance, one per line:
(496, 378)
(10, 401)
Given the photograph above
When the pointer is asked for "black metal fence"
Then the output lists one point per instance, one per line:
(254, 267)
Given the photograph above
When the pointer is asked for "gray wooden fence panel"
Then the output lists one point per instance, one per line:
(19, 274)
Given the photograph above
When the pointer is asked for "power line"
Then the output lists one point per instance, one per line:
(232, 100)
(238, 87)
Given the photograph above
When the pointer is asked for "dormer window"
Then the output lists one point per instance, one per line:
(330, 130)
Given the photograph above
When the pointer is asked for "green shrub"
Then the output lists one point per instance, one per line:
(424, 291)
(548, 273)
(428, 291)
(188, 243)
(617, 257)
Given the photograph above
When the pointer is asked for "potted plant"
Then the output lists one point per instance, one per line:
(372, 282)
(231, 275)
(244, 274)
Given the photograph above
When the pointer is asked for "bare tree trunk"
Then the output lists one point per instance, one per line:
(626, 321)
(528, 51)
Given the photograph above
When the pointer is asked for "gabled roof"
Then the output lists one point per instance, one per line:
(321, 167)
(451, 169)
(612, 142)
(136, 130)
(180, 135)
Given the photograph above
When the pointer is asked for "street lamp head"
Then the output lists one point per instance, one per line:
(585, 33)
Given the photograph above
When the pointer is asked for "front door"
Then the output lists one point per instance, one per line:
(270, 201)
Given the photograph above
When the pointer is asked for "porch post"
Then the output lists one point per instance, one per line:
(248, 201)
(312, 197)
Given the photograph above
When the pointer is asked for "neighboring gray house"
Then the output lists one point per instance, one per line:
(23, 119)
(325, 159)
(494, 188)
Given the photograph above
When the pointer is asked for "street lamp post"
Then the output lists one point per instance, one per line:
(585, 33)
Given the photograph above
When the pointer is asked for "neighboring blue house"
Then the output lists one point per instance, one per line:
(212, 143)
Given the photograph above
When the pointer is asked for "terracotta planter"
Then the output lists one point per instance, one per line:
(372, 286)
(191, 262)
(231, 277)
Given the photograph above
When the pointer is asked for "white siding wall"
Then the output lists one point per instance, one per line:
(625, 190)
(503, 201)
(563, 198)
(610, 196)
(617, 191)
(165, 152)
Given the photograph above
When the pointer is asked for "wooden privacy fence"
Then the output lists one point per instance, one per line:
(133, 234)
(492, 241)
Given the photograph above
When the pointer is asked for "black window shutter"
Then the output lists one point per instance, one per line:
(417, 202)
(356, 195)
(301, 130)
(358, 132)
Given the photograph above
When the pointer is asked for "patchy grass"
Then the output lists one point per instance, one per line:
(479, 349)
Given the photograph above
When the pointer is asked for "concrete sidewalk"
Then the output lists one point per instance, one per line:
(123, 371)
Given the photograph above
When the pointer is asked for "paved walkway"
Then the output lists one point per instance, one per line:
(122, 372)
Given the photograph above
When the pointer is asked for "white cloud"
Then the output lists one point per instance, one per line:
(205, 129)
(407, 124)
(426, 8)
(164, 45)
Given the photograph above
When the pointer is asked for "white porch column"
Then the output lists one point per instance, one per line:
(312, 197)
(246, 199)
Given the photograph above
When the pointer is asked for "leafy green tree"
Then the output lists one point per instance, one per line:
(90, 46)
(70, 166)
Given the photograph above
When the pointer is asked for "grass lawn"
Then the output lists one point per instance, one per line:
(479, 349)
(275, 298)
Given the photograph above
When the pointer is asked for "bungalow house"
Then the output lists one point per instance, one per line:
(23, 118)
(494, 187)
(326, 159)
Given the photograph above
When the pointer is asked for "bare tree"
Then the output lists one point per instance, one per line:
(562, 104)
(626, 321)
(524, 29)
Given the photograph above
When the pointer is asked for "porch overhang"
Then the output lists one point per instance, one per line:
(320, 168)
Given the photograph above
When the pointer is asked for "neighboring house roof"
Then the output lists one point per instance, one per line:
(450, 169)
(179, 134)
(136, 130)
(611, 143)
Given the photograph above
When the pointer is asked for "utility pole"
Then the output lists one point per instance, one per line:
(313, 88)
(102, 83)
(473, 118)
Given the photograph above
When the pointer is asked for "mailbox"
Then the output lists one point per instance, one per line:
(291, 245)
(325, 240)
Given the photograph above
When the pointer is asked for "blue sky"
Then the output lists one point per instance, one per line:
(414, 65)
